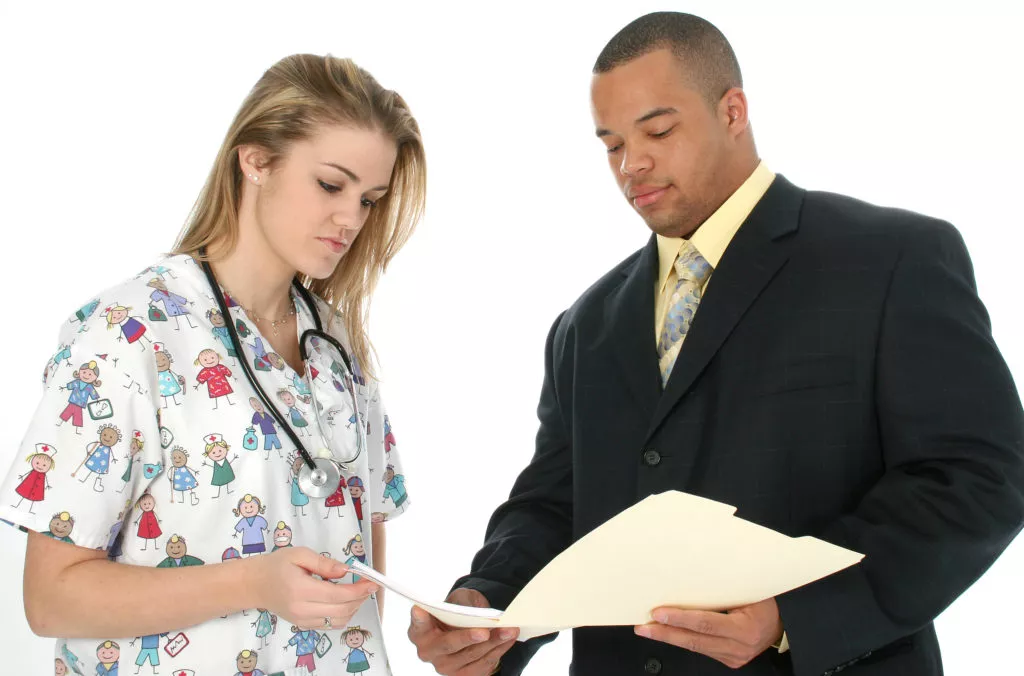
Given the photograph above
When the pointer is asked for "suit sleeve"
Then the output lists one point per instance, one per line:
(951, 497)
(535, 524)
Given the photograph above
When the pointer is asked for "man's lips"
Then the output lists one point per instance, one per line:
(643, 196)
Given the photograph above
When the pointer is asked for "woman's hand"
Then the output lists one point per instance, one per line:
(286, 587)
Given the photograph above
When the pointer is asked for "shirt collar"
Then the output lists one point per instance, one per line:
(713, 235)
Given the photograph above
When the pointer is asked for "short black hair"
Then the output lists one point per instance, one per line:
(707, 57)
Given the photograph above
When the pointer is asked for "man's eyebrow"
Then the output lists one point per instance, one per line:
(650, 115)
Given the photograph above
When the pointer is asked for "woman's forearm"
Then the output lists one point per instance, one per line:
(97, 598)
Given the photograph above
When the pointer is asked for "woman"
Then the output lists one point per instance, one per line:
(321, 178)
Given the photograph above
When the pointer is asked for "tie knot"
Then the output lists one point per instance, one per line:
(691, 266)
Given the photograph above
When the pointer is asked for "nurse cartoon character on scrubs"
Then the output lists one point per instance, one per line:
(99, 456)
(252, 525)
(170, 383)
(82, 389)
(217, 451)
(357, 552)
(134, 448)
(34, 483)
(132, 329)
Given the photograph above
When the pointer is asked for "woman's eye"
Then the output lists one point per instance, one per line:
(328, 187)
(368, 203)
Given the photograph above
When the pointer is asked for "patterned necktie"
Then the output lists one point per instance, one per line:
(692, 270)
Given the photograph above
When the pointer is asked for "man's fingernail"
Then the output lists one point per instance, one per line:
(506, 634)
(661, 616)
(644, 631)
(479, 635)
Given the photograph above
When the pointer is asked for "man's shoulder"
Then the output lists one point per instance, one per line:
(598, 292)
(830, 214)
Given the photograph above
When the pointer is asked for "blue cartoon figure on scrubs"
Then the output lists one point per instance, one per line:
(99, 456)
(82, 388)
(305, 641)
(176, 306)
(357, 552)
(149, 651)
(221, 332)
(182, 477)
(357, 659)
(252, 525)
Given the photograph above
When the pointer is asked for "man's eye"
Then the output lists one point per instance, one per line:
(614, 149)
(662, 134)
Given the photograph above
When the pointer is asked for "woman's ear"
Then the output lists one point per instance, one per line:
(253, 161)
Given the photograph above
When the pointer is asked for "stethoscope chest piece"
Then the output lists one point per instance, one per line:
(321, 482)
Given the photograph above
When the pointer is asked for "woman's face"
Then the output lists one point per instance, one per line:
(311, 205)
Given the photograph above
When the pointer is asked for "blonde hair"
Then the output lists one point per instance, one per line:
(291, 100)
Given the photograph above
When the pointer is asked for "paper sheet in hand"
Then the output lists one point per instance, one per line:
(695, 553)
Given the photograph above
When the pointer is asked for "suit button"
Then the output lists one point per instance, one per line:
(653, 666)
(829, 672)
(651, 457)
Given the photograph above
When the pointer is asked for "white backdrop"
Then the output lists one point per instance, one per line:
(110, 118)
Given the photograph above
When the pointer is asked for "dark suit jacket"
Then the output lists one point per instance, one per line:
(839, 380)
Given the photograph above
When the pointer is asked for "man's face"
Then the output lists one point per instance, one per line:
(666, 146)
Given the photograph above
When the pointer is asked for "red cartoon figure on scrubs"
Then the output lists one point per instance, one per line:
(148, 522)
(336, 499)
(99, 455)
(82, 388)
(34, 482)
(215, 375)
(358, 657)
(131, 328)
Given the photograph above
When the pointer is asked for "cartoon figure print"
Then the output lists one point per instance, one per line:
(299, 499)
(215, 375)
(149, 651)
(176, 306)
(82, 388)
(298, 420)
(267, 427)
(60, 668)
(246, 663)
(99, 455)
(265, 625)
(357, 660)
(389, 436)
(356, 489)
(34, 482)
(282, 536)
(217, 451)
(357, 552)
(132, 329)
(108, 654)
(134, 448)
(177, 554)
(63, 355)
(115, 541)
(148, 522)
(394, 487)
(170, 383)
(220, 331)
(83, 313)
(61, 526)
(182, 477)
(336, 499)
(251, 525)
(305, 641)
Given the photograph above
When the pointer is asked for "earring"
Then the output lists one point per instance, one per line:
(254, 178)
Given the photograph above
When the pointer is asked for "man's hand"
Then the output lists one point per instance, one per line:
(459, 652)
(733, 638)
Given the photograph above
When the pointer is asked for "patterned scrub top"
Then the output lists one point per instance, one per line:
(210, 472)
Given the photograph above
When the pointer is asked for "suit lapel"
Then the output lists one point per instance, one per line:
(629, 318)
(757, 252)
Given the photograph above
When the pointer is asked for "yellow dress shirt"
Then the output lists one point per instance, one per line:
(711, 240)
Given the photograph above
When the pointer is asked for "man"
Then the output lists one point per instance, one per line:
(822, 364)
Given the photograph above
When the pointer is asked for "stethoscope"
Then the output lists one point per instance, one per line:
(319, 476)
